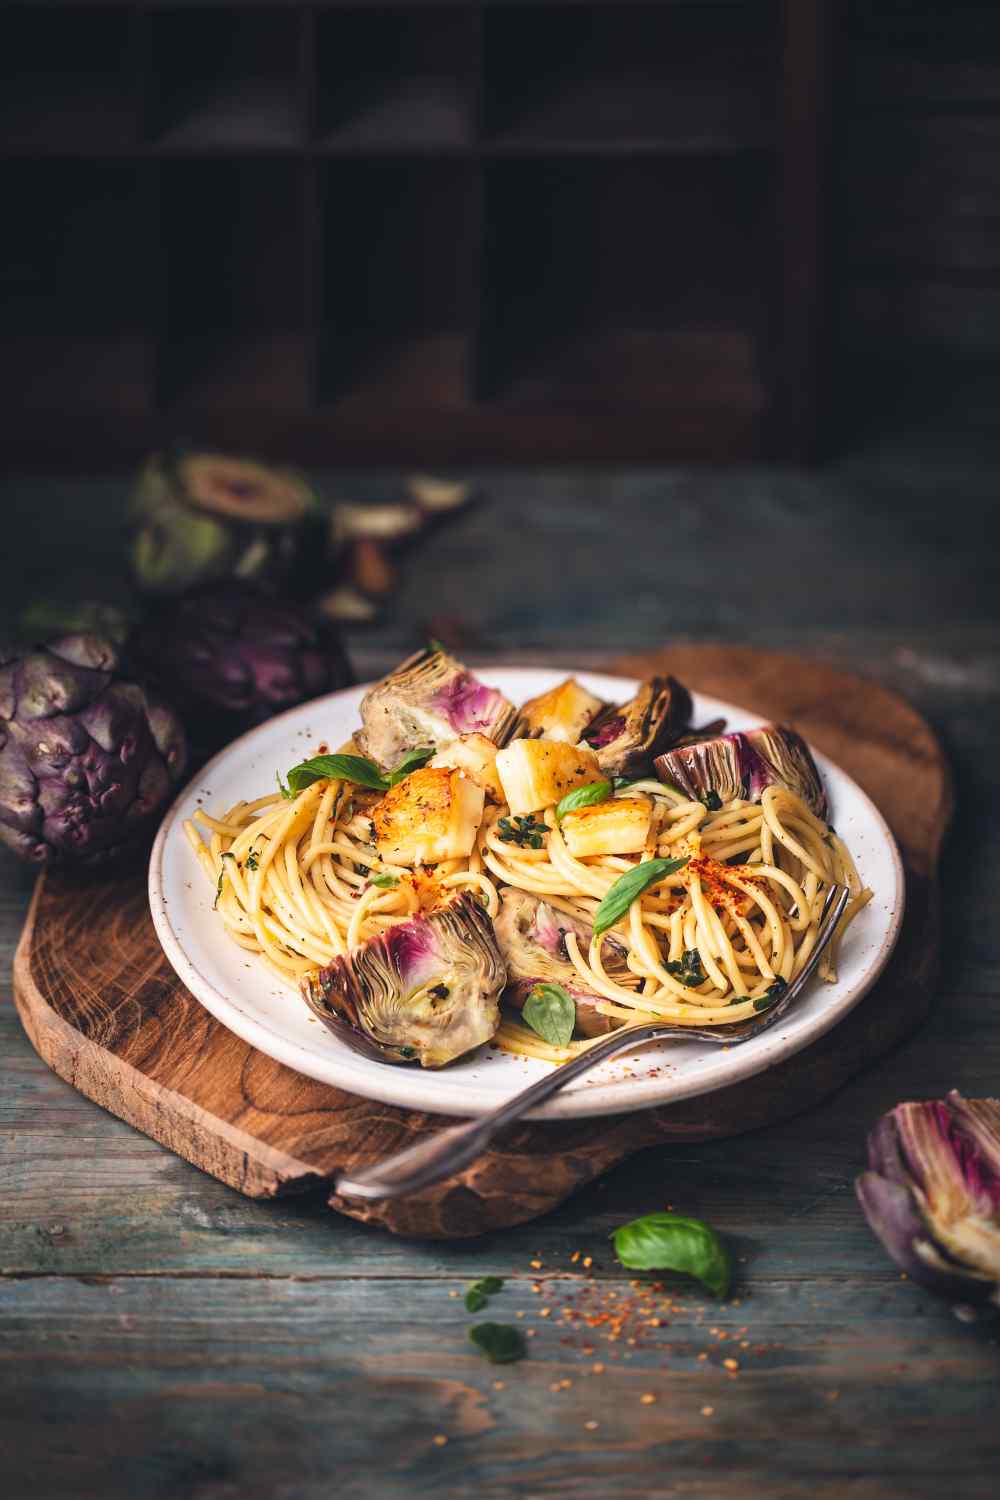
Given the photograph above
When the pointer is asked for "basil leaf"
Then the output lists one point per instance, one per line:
(771, 994)
(480, 1291)
(412, 761)
(551, 1014)
(283, 789)
(356, 768)
(669, 1242)
(221, 880)
(688, 969)
(501, 1343)
(584, 796)
(385, 882)
(629, 886)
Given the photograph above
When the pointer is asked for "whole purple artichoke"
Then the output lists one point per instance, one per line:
(230, 657)
(87, 759)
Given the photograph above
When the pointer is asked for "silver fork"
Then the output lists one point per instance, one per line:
(429, 1161)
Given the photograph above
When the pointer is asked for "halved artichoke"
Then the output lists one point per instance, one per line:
(427, 991)
(743, 765)
(627, 738)
(430, 699)
(531, 936)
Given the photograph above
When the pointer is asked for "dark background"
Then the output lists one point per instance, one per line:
(500, 232)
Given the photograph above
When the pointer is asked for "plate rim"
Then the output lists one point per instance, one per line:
(579, 1103)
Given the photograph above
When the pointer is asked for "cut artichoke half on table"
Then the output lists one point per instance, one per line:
(431, 699)
(426, 991)
(743, 765)
(531, 936)
(626, 739)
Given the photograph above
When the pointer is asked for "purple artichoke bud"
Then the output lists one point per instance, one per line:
(932, 1193)
(744, 765)
(427, 991)
(87, 761)
(627, 738)
(230, 657)
(430, 699)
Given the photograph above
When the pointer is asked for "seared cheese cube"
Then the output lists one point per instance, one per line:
(536, 773)
(620, 826)
(431, 815)
(562, 713)
(477, 757)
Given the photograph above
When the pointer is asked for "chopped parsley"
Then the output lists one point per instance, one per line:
(688, 969)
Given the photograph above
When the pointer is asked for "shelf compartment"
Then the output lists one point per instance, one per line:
(635, 284)
(74, 286)
(398, 282)
(67, 81)
(664, 77)
(234, 317)
(226, 79)
(396, 79)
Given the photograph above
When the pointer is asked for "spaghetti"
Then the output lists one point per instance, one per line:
(300, 882)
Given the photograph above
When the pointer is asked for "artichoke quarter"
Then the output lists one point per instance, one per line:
(426, 991)
(430, 699)
(87, 759)
(744, 765)
(932, 1193)
(626, 739)
(532, 938)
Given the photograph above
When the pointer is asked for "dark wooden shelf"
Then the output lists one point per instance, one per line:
(393, 79)
(676, 79)
(456, 229)
(67, 78)
(224, 79)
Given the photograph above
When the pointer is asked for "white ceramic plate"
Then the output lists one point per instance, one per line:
(245, 996)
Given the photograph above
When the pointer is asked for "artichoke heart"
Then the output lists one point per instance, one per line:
(430, 699)
(532, 938)
(562, 713)
(627, 738)
(426, 991)
(743, 765)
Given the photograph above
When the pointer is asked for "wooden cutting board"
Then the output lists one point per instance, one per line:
(105, 1011)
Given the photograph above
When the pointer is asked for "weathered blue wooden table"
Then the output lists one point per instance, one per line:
(162, 1336)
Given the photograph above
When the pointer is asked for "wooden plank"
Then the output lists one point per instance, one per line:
(206, 1389)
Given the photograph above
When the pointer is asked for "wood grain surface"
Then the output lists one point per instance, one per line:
(103, 1008)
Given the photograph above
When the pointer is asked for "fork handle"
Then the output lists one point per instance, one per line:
(448, 1150)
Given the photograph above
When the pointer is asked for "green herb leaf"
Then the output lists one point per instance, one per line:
(712, 801)
(669, 1242)
(621, 782)
(526, 833)
(629, 886)
(688, 969)
(771, 994)
(356, 768)
(412, 761)
(501, 1343)
(583, 796)
(288, 795)
(551, 1014)
(478, 1292)
(221, 880)
(253, 858)
(385, 882)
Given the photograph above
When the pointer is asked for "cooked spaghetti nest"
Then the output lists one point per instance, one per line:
(295, 885)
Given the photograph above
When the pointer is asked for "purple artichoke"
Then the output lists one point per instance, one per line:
(932, 1193)
(231, 657)
(87, 759)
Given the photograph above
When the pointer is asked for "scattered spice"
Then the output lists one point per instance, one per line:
(439, 1440)
(708, 1411)
(591, 1426)
(731, 1364)
(648, 1399)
